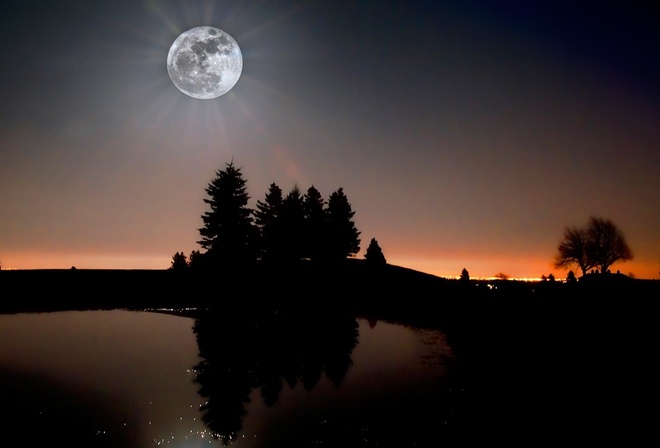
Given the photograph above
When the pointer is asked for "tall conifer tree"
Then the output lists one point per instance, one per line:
(315, 224)
(343, 236)
(268, 219)
(228, 235)
(293, 222)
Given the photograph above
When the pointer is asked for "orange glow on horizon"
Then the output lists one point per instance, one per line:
(514, 268)
(84, 261)
(447, 267)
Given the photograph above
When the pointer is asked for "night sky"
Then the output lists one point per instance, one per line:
(465, 134)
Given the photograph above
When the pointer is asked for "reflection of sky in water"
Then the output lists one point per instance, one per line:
(139, 365)
(138, 362)
(388, 361)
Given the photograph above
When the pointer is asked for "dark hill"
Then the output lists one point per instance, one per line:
(353, 285)
(306, 282)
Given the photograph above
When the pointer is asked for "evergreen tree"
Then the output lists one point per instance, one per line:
(374, 254)
(228, 235)
(195, 260)
(293, 223)
(179, 262)
(268, 219)
(465, 275)
(315, 224)
(343, 238)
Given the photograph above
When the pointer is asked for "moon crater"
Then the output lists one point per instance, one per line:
(204, 62)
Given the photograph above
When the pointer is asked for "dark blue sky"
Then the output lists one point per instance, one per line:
(465, 134)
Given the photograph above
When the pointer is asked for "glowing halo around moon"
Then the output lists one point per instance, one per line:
(204, 62)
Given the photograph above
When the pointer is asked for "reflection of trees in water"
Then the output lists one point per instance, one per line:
(261, 350)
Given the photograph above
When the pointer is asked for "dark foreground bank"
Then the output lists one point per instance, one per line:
(356, 286)
(542, 363)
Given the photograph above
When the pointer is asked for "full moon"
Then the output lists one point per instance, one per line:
(204, 62)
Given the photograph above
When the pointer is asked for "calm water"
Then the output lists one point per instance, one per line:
(140, 379)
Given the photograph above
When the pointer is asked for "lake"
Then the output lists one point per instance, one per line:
(505, 373)
(120, 378)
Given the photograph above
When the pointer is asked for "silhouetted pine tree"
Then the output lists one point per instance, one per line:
(228, 235)
(465, 275)
(343, 238)
(374, 254)
(195, 259)
(268, 219)
(179, 262)
(293, 223)
(315, 224)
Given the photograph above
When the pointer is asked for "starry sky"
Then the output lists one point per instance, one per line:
(465, 134)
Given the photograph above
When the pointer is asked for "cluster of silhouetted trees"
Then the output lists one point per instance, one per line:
(282, 229)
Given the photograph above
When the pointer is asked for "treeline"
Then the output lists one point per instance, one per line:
(283, 229)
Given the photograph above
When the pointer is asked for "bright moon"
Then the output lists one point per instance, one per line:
(204, 62)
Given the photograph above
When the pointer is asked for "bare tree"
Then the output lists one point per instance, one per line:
(606, 244)
(573, 250)
(599, 245)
